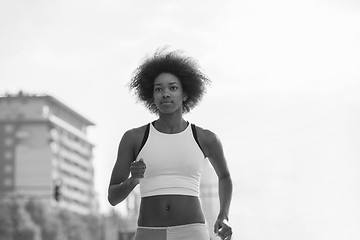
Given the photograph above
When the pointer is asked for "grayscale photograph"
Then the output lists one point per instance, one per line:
(180, 120)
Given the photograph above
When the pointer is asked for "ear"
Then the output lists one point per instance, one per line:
(185, 97)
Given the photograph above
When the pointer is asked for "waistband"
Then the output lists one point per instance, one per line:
(176, 227)
(193, 231)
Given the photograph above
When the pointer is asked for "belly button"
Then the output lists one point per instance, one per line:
(167, 207)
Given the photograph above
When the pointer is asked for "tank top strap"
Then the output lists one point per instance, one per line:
(193, 128)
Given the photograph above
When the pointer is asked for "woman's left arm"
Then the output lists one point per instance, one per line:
(215, 153)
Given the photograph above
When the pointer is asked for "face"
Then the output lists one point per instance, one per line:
(168, 93)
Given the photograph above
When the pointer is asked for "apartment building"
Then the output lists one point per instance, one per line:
(45, 152)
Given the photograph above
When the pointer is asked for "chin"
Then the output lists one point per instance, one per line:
(168, 111)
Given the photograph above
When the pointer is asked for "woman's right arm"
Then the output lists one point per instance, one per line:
(121, 184)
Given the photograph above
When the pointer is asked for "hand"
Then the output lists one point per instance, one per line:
(223, 229)
(137, 169)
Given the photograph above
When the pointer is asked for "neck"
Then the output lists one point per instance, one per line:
(172, 123)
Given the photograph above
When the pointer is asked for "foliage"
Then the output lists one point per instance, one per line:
(6, 223)
(19, 223)
(95, 225)
(46, 218)
(74, 227)
(32, 219)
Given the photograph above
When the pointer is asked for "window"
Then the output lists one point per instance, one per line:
(9, 128)
(8, 182)
(8, 155)
(9, 141)
(54, 147)
(8, 168)
(45, 111)
(22, 134)
(54, 133)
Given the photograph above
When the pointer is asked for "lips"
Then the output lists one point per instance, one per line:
(166, 102)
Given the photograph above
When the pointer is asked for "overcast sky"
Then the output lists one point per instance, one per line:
(284, 99)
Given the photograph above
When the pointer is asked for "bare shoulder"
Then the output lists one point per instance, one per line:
(212, 147)
(207, 139)
(135, 133)
(206, 135)
(134, 137)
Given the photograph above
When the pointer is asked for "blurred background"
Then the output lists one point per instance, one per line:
(284, 100)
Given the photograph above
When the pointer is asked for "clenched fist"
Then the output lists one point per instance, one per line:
(137, 169)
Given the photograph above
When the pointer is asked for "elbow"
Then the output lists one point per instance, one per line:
(111, 199)
(225, 177)
(114, 199)
(225, 180)
(113, 202)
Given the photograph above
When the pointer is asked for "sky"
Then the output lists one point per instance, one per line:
(284, 98)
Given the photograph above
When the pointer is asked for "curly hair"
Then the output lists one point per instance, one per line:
(185, 68)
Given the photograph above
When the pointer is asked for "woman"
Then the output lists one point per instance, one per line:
(166, 156)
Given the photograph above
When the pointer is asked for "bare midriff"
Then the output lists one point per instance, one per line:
(170, 210)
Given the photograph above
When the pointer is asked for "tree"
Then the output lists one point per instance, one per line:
(46, 219)
(74, 226)
(23, 226)
(32, 219)
(6, 224)
(95, 226)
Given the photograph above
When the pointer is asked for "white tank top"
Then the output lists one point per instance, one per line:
(174, 163)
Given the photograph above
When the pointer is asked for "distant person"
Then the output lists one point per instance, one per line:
(166, 156)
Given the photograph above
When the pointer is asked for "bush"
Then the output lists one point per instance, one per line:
(31, 219)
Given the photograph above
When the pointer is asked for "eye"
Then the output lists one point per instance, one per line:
(174, 87)
(157, 89)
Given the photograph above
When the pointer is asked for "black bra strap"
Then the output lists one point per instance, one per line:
(193, 128)
(146, 135)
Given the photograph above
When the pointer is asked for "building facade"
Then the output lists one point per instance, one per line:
(45, 152)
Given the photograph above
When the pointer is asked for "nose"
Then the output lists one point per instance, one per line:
(166, 94)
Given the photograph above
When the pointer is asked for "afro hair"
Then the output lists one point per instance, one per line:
(185, 68)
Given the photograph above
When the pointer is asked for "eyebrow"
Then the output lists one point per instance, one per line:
(171, 83)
